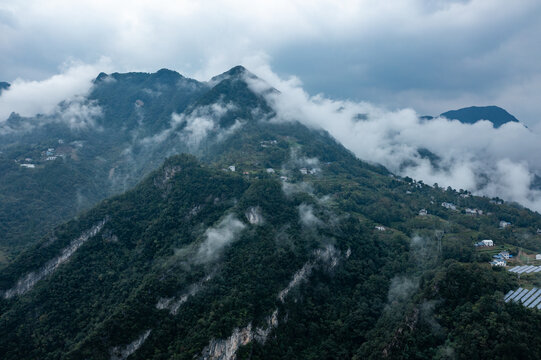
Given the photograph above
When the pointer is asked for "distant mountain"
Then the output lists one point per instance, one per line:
(270, 240)
(4, 86)
(471, 115)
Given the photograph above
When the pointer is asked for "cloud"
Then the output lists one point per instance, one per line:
(401, 289)
(469, 153)
(218, 237)
(307, 217)
(193, 127)
(29, 98)
(391, 52)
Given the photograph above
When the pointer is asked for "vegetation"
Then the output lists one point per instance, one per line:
(416, 288)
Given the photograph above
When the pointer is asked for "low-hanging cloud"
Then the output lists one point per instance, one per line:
(478, 157)
(307, 217)
(29, 98)
(218, 237)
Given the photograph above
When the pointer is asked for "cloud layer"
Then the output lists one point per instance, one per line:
(495, 162)
(29, 98)
(434, 55)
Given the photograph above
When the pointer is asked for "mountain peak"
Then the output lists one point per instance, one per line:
(4, 86)
(235, 72)
(470, 115)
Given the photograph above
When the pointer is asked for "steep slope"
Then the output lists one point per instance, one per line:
(470, 115)
(54, 166)
(279, 258)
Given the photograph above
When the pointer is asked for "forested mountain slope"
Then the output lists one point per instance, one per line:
(54, 166)
(278, 244)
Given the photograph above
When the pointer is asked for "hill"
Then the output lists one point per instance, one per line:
(470, 115)
(269, 241)
(54, 166)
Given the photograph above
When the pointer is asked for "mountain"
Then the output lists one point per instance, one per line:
(269, 241)
(54, 166)
(4, 86)
(470, 115)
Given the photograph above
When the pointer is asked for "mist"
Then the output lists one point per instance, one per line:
(30, 98)
(477, 157)
(218, 237)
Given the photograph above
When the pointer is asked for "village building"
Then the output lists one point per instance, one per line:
(423, 212)
(304, 171)
(270, 170)
(380, 228)
(232, 168)
(538, 257)
(30, 166)
(449, 206)
(486, 243)
(498, 263)
(504, 224)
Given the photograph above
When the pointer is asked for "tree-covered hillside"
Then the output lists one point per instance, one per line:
(54, 166)
(279, 245)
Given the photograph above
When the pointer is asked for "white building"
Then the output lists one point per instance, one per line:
(270, 170)
(504, 224)
(380, 228)
(423, 212)
(538, 257)
(232, 168)
(498, 263)
(449, 206)
(30, 166)
(505, 255)
(304, 171)
(487, 242)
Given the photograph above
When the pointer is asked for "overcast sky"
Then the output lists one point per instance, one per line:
(431, 55)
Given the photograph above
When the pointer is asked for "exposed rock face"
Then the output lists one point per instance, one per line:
(253, 215)
(227, 349)
(122, 353)
(327, 256)
(173, 304)
(27, 282)
(163, 181)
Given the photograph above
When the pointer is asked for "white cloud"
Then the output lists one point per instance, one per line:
(218, 237)
(469, 153)
(307, 217)
(29, 98)
(385, 52)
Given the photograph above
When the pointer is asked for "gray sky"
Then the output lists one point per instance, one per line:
(431, 55)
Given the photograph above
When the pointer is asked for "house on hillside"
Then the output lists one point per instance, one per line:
(498, 262)
(505, 255)
(423, 212)
(538, 257)
(304, 171)
(270, 171)
(232, 168)
(504, 224)
(380, 228)
(449, 206)
(486, 242)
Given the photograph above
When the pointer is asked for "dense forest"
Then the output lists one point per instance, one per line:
(272, 242)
